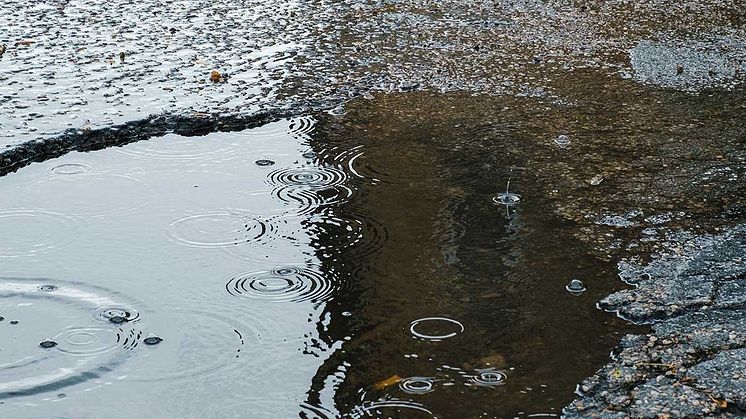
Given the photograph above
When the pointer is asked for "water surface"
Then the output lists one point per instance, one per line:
(406, 257)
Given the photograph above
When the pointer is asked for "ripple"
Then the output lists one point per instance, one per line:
(193, 343)
(353, 160)
(417, 385)
(264, 163)
(69, 169)
(389, 408)
(507, 198)
(354, 237)
(31, 232)
(338, 111)
(111, 314)
(302, 126)
(443, 328)
(73, 349)
(283, 241)
(284, 284)
(87, 340)
(88, 194)
(221, 229)
(309, 187)
(563, 141)
(575, 287)
(177, 148)
(488, 378)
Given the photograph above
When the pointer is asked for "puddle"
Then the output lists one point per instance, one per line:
(414, 257)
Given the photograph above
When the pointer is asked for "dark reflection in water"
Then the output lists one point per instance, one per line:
(488, 218)
(461, 292)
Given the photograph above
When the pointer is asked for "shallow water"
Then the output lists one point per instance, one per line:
(288, 269)
(406, 257)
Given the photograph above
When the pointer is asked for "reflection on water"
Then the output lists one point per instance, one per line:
(414, 257)
(356, 255)
(212, 325)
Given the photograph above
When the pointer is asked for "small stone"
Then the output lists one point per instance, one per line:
(121, 56)
(679, 69)
(596, 180)
(117, 319)
(48, 344)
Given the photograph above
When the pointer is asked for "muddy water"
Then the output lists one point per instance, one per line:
(358, 264)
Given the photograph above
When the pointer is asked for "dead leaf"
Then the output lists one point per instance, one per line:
(25, 42)
(215, 76)
(394, 379)
(723, 404)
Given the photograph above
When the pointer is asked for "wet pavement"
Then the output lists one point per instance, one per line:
(372, 209)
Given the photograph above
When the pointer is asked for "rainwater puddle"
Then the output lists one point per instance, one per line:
(337, 267)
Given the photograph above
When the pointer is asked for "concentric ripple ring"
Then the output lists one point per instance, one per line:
(434, 337)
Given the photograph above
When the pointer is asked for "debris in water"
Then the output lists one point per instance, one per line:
(14, 322)
(596, 180)
(117, 319)
(46, 344)
(383, 384)
(679, 69)
(215, 76)
(152, 340)
(3, 48)
(121, 56)
(575, 287)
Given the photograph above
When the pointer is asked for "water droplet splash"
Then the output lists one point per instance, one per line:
(563, 141)
(575, 287)
(46, 344)
(117, 315)
(152, 340)
(488, 378)
(264, 162)
(417, 385)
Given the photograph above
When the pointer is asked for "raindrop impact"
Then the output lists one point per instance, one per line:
(562, 141)
(488, 378)
(439, 328)
(417, 385)
(575, 287)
